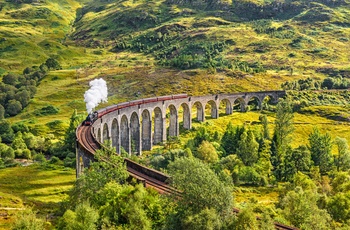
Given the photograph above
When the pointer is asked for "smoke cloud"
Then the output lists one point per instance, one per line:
(96, 94)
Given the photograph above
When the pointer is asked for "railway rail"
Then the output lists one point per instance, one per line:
(147, 176)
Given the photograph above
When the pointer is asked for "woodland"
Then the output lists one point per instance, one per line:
(288, 162)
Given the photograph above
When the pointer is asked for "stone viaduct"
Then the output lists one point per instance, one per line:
(138, 127)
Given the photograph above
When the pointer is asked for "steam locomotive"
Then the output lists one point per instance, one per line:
(92, 117)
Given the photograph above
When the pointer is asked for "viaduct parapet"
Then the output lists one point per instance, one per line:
(138, 127)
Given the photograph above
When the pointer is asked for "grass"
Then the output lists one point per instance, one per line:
(35, 186)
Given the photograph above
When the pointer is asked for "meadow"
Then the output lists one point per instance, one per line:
(42, 187)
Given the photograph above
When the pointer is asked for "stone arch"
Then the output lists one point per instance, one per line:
(200, 111)
(115, 135)
(173, 122)
(267, 101)
(239, 105)
(226, 105)
(135, 133)
(254, 103)
(158, 126)
(146, 135)
(211, 105)
(99, 135)
(105, 133)
(186, 121)
(124, 134)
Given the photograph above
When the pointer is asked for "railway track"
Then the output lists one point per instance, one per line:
(149, 177)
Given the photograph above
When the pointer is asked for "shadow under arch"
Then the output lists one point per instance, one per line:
(124, 133)
(105, 132)
(99, 137)
(158, 126)
(115, 135)
(254, 103)
(135, 133)
(238, 105)
(268, 102)
(146, 131)
(173, 130)
(186, 118)
(199, 111)
(225, 107)
(211, 108)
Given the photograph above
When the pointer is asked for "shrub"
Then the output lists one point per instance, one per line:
(27, 220)
(40, 158)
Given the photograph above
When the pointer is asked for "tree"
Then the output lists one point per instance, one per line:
(229, 140)
(133, 207)
(265, 123)
(207, 219)
(2, 112)
(296, 160)
(10, 79)
(264, 166)
(83, 218)
(342, 160)
(23, 97)
(281, 137)
(207, 152)
(18, 142)
(69, 140)
(320, 147)
(247, 148)
(53, 64)
(108, 167)
(13, 107)
(6, 131)
(300, 209)
(6, 151)
(201, 189)
(339, 207)
(246, 219)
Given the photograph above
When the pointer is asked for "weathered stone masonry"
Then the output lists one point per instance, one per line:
(134, 129)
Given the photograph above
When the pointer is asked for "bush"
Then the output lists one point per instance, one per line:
(27, 154)
(40, 158)
(48, 110)
(55, 160)
(27, 220)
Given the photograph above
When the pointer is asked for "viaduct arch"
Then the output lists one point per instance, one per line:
(136, 128)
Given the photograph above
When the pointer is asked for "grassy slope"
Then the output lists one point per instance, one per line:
(33, 186)
(130, 74)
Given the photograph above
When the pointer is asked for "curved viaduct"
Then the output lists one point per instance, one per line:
(137, 128)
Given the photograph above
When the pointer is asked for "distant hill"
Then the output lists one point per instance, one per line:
(241, 36)
(151, 47)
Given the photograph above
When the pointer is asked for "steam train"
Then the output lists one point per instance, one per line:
(92, 117)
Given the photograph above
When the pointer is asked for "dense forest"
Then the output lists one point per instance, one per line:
(288, 163)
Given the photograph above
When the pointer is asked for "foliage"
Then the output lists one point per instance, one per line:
(320, 148)
(109, 167)
(282, 136)
(84, 217)
(300, 208)
(133, 207)
(207, 152)
(342, 159)
(246, 219)
(27, 220)
(231, 137)
(339, 207)
(247, 148)
(201, 189)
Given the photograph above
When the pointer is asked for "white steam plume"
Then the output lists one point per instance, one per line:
(96, 94)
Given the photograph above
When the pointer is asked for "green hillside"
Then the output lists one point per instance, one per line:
(164, 47)
(51, 49)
